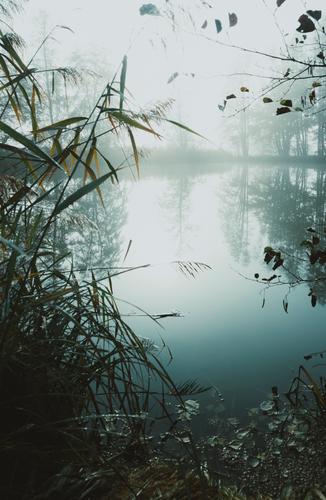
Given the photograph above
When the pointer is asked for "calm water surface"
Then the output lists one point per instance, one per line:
(224, 218)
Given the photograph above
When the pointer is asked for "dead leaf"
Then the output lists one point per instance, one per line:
(233, 19)
(306, 24)
(282, 111)
(218, 25)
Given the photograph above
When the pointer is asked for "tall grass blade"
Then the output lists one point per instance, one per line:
(31, 146)
(135, 150)
(83, 191)
(62, 124)
(123, 82)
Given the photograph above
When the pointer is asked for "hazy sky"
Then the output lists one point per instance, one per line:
(111, 28)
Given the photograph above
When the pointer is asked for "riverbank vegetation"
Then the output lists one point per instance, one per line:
(78, 387)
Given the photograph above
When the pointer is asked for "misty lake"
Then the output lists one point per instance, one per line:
(223, 217)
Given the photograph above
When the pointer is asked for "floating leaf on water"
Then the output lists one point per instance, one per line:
(254, 462)
(204, 25)
(218, 25)
(244, 89)
(233, 19)
(149, 9)
(256, 276)
(279, 2)
(267, 100)
(236, 445)
(266, 406)
(243, 433)
(231, 96)
(185, 440)
(213, 441)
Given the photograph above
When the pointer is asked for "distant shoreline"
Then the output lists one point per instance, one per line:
(175, 161)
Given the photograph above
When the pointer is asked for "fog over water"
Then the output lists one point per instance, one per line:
(204, 200)
(224, 336)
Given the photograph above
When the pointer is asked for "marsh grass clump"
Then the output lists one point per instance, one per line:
(74, 379)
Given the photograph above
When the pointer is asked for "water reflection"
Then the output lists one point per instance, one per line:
(176, 203)
(288, 201)
(94, 234)
(225, 219)
(235, 213)
(282, 204)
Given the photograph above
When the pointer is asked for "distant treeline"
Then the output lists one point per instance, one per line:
(172, 160)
